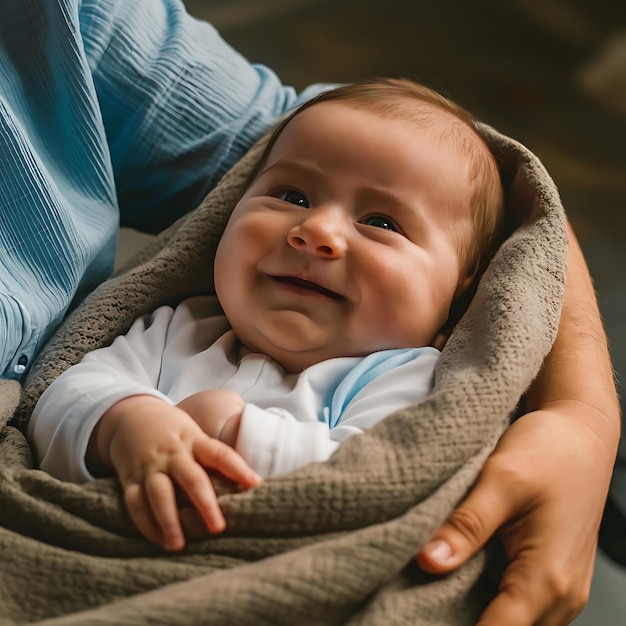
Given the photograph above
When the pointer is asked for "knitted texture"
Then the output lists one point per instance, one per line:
(331, 543)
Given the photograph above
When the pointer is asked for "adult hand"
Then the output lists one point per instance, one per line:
(543, 489)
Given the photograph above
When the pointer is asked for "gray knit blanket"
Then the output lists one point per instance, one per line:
(331, 543)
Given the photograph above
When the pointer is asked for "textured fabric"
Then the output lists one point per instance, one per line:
(331, 543)
(110, 111)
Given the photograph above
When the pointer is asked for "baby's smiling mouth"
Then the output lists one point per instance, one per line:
(308, 285)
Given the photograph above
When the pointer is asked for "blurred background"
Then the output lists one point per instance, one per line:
(550, 73)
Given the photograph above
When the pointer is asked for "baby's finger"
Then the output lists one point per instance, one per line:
(221, 457)
(162, 499)
(140, 513)
(195, 482)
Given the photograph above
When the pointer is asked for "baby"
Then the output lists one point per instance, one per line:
(370, 213)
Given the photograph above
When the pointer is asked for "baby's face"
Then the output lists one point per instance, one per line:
(345, 242)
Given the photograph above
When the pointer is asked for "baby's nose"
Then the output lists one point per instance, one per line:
(321, 233)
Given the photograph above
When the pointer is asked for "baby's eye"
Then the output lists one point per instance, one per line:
(294, 197)
(380, 221)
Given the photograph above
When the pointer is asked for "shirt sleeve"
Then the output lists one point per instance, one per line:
(71, 406)
(111, 112)
(58, 211)
(180, 106)
(273, 441)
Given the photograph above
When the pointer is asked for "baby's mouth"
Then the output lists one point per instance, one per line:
(308, 285)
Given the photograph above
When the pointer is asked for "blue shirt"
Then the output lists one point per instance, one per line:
(111, 112)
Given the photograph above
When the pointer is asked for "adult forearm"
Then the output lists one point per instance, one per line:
(578, 371)
(191, 107)
(545, 484)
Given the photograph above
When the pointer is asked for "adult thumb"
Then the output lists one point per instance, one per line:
(468, 528)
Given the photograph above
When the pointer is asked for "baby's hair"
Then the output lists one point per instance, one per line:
(393, 98)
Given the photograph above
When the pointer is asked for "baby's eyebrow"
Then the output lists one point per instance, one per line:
(293, 167)
(381, 198)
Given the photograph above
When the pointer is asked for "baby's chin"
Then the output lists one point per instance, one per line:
(294, 341)
(293, 354)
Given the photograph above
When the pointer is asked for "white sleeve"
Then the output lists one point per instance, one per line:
(71, 406)
(274, 442)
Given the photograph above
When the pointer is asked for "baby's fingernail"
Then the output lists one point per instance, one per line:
(174, 544)
(252, 479)
(217, 525)
(438, 550)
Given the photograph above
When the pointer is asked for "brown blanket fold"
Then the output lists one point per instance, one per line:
(331, 543)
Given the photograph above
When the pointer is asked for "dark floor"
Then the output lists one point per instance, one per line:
(550, 73)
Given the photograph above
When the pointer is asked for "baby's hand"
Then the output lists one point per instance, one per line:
(217, 412)
(155, 447)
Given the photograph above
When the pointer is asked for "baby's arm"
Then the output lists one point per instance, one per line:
(114, 391)
(68, 410)
(274, 441)
(155, 447)
(134, 364)
(217, 411)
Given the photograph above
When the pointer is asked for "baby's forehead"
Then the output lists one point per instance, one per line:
(428, 117)
(418, 117)
(421, 115)
(458, 134)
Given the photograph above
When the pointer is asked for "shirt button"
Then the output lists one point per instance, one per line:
(22, 362)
